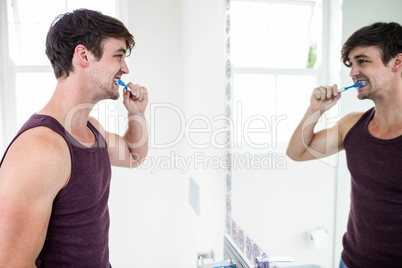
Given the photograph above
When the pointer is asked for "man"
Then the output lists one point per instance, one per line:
(373, 145)
(55, 175)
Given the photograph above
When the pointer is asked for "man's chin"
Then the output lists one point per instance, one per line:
(114, 95)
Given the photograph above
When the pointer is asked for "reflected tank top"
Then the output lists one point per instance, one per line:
(374, 229)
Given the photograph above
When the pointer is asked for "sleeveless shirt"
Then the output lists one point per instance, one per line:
(374, 229)
(78, 231)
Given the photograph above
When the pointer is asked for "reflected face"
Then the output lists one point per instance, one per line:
(112, 65)
(366, 65)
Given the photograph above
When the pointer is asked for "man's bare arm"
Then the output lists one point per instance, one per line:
(36, 167)
(306, 144)
(131, 149)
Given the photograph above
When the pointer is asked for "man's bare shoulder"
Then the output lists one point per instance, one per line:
(43, 140)
(348, 121)
(40, 154)
(100, 128)
(97, 125)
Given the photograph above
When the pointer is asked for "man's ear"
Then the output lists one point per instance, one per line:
(81, 55)
(397, 63)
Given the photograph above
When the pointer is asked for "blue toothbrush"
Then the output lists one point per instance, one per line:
(358, 84)
(121, 83)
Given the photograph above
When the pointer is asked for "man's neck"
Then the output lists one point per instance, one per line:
(70, 106)
(387, 121)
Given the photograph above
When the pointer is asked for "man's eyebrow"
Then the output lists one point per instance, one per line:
(122, 50)
(361, 56)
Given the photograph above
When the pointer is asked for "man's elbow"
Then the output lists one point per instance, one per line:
(294, 156)
(137, 159)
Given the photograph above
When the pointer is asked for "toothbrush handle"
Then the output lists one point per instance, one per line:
(124, 85)
(344, 89)
(358, 84)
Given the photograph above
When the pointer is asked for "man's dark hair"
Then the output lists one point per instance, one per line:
(87, 27)
(386, 36)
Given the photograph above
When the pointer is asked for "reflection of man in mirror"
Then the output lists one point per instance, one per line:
(373, 144)
(55, 175)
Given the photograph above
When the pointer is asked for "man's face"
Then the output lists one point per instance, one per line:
(367, 65)
(112, 65)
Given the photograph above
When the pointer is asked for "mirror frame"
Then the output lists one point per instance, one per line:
(233, 232)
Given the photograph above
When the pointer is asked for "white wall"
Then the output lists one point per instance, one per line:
(178, 57)
(147, 208)
(203, 91)
(4, 71)
(356, 14)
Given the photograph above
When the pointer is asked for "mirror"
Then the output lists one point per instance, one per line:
(275, 55)
(273, 204)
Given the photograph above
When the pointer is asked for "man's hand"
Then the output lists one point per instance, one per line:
(135, 102)
(324, 98)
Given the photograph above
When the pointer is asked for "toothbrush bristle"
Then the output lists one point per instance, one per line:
(121, 83)
(361, 83)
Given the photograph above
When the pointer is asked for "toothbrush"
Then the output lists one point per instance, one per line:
(358, 84)
(121, 83)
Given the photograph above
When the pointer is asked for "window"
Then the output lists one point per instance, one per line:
(30, 79)
(277, 52)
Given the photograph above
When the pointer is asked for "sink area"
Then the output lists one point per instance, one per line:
(299, 266)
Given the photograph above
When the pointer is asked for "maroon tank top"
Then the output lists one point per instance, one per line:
(78, 231)
(374, 230)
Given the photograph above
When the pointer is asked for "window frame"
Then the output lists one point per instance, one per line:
(322, 72)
